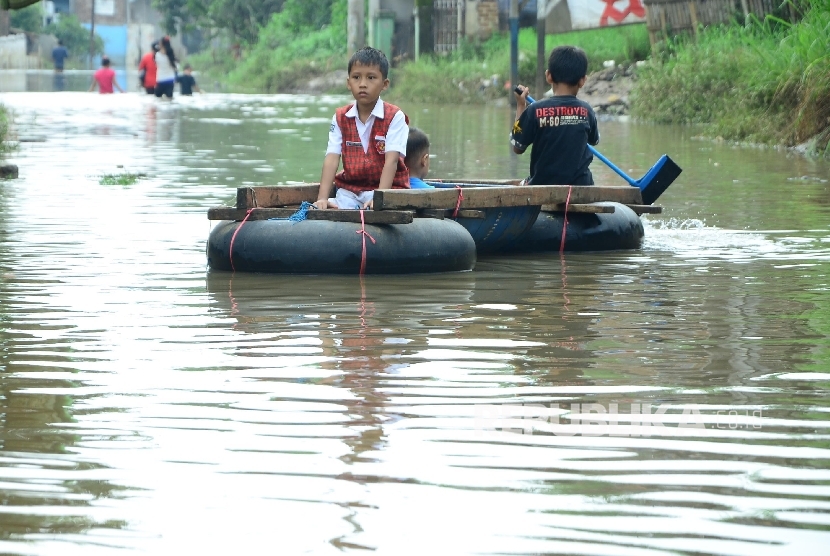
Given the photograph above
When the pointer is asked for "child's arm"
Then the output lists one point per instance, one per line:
(330, 165)
(387, 175)
(91, 86)
(117, 86)
(521, 105)
(521, 100)
(196, 88)
(593, 133)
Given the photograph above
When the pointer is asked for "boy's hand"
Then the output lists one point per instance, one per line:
(521, 97)
(370, 205)
(322, 204)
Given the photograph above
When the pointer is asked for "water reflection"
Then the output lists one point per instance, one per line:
(669, 399)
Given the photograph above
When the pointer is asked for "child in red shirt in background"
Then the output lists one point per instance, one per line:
(105, 78)
(148, 67)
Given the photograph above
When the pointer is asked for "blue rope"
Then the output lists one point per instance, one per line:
(300, 215)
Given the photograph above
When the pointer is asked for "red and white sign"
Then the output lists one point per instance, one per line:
(590, 14)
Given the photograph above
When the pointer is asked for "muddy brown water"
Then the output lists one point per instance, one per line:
(671, 399)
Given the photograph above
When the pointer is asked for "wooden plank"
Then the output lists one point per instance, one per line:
(369, 216)
(486, 197)
(602, 209)
(476, 181)
(276, 195)
(646, 209)
(438, 214)
(693, 14)
(447, 213)
(597, 209)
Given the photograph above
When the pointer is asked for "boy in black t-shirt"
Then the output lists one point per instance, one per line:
(561, 127)
(187, 81)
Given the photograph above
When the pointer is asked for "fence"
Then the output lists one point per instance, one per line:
(447, 24)
(670, 17)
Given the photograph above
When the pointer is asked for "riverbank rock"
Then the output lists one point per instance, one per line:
(334, 80)
(608, 90)
(8, 172)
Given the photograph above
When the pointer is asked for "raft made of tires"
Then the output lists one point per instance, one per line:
(621, 229)
(331, 247)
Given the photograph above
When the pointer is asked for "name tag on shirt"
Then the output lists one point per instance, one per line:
(354, 144)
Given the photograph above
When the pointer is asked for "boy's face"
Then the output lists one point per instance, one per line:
(188, 71)
(366, 83)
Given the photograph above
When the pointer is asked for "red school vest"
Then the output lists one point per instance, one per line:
(361, 171)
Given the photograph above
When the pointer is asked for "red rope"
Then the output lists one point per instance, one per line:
(236, 231)
(458, 203)
(565, 223)
(362, 231)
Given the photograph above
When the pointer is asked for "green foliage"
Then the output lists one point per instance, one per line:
(241, 19)
(299, 15)
(623, 44)
(5, 123)
(467, 75)
(29, 19)
(75, 37)
(766, 81)
(288, 52)
(125, 178)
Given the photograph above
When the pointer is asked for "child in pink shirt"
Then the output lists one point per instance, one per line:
(105, 78)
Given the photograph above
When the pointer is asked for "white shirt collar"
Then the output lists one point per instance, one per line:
(377, 111)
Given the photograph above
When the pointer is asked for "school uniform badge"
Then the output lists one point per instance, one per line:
(380, 144)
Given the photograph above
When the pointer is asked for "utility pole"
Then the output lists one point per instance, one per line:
(417, 15)
(541, 57)
(374, 9)
(355, 18)
(92, 36)
(513, 18)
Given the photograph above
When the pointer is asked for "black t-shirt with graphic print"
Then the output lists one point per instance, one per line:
(559, 129)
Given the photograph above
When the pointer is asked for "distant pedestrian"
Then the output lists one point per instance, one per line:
(147, 69)
(188, 82)
(59, 55)
(165, 69)
(105, 79)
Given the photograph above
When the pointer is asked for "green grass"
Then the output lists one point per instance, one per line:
(5, 124)
(767, 81)
(121, 179)
(459, 76)
(285, 59)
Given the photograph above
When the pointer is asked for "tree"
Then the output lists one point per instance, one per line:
(305, 14)
(74, 36)
(29, 19)
(242, 19)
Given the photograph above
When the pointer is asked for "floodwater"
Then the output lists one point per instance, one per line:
(672, 399)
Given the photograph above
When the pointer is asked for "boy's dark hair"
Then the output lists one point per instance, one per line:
(105, 61)
(187, 67)
(368, 56)
(567, 64)
(167, 48)
(416, 144)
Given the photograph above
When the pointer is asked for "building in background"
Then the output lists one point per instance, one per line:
(128, 27)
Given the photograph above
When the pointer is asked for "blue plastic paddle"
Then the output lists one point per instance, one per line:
(656, 180)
